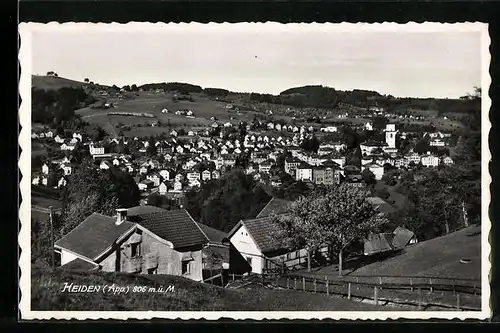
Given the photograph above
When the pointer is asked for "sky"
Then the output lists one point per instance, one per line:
(265, 58)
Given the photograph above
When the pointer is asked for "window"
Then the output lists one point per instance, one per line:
(249, 260)
(135, 250)
(185, 267)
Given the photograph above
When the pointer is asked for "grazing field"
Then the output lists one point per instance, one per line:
(446, 125)
(187, 295)
(438, 257)
(202, 107)
(42, 200)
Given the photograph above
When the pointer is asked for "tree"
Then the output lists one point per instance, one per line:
(77, 211)
(151, 150)
(442, 200)
(368, 177)
(86, 80)
(335, 216)
(221, 203)
(154, 199)
(311, 144)
(91, 190)
(422, 146)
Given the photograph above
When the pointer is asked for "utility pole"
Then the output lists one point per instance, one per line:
(464, 211)
(51, 216)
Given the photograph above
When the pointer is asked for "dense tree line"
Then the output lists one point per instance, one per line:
(441, 200)
(185, 88)
(317, 96)
(216, 92)
(221, 203)
(55, 106)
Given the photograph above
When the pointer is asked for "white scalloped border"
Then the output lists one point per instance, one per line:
(25, 54)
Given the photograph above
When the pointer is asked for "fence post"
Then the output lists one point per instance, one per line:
(327, 287)
(349, 291)
(430, 285)
(303, 283)
(375, 294)
(419, 299)
(357, 282)
(295, 283)
(458, 301)
(233, 276)
(411, 284)
(380, 280)
(287, 283)
(314, 282)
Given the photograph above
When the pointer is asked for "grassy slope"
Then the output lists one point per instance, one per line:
(438, 257)
(188, 295)
(202, 107)
(53, 83)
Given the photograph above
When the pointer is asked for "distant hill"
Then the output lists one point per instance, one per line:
(47, 82)
(53, 83)
(315, 96)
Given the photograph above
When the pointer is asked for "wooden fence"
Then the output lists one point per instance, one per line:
(420, 292)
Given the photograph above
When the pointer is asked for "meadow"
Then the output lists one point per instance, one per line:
(188, 295)
(149, 103)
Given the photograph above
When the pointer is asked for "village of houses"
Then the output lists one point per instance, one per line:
(327, 166)
(153, 240)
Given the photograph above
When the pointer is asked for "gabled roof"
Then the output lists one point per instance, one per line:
(260, 230)
(275, 205)
(94, 235)
(402, 237)
(382, 206)
(175, 226)
(79, 265)
(378, 243)
(213, 235)
(141, 210)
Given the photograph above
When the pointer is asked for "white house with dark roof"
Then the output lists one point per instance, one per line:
(252, 239)
(376, 169)
(163, 188)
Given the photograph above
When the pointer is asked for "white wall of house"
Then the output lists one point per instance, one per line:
(244, 243)
(67, 257)
(377, 170)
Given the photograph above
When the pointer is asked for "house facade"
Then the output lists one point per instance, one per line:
(251, 238)
(162, 242)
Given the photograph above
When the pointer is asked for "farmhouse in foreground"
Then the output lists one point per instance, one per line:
(147, 241)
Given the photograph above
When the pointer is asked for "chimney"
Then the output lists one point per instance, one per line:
(121, 215)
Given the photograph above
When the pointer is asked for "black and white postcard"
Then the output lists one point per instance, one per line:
(254, 171)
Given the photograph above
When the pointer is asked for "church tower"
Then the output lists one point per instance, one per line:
(390, 135)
